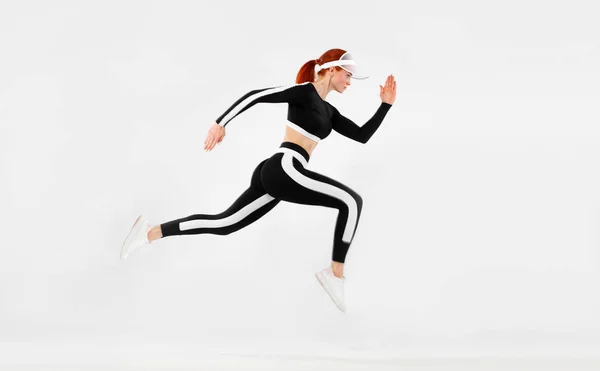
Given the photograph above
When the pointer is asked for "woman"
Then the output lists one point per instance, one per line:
(285, 176)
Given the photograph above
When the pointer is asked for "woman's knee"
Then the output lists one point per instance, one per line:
(359, 201)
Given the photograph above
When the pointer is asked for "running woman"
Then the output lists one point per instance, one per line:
(285, 176)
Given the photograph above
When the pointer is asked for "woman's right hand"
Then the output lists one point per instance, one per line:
(216, 133)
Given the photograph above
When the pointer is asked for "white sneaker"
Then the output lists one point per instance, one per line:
(138, 236)
(334, 286)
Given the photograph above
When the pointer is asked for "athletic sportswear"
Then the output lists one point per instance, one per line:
(308, 113)
(282, 177)
(334, 287)
(137, 237)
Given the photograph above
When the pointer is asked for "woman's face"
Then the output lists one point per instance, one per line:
(341, 80)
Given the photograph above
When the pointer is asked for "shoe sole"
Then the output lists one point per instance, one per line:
(323, 281)
(133, 232)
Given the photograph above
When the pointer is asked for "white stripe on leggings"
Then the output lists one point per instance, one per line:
(321, 187)
(231, 219)
(300, 158)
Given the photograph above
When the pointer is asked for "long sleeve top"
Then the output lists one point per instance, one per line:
(308, 113)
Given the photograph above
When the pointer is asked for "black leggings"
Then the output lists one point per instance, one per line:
(283, 176)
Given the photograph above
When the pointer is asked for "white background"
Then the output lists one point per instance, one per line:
(481, 221)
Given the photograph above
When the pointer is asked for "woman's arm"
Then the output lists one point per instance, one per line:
(347, 128)
(279, 94)
(362, 134)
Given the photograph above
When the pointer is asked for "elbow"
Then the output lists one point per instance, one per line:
(362, 137)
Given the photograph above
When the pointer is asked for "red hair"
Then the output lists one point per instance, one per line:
(307, 71)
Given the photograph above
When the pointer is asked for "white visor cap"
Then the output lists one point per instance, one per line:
(346, 62)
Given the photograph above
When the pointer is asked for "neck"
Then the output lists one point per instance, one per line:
(322, 88)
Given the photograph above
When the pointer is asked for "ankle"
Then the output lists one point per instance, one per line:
(154, 233)
(338, 269)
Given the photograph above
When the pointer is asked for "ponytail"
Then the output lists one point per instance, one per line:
(307, 71)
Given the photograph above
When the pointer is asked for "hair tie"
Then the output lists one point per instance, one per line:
(317, 66)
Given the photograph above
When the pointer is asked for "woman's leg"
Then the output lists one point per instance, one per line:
(286, 178)
(249, 207)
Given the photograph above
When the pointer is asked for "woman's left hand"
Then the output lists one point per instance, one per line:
(216, 133)
(388, 92)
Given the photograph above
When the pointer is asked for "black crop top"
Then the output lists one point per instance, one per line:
(308, 113)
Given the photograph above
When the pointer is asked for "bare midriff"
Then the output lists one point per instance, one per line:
(293, 136)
